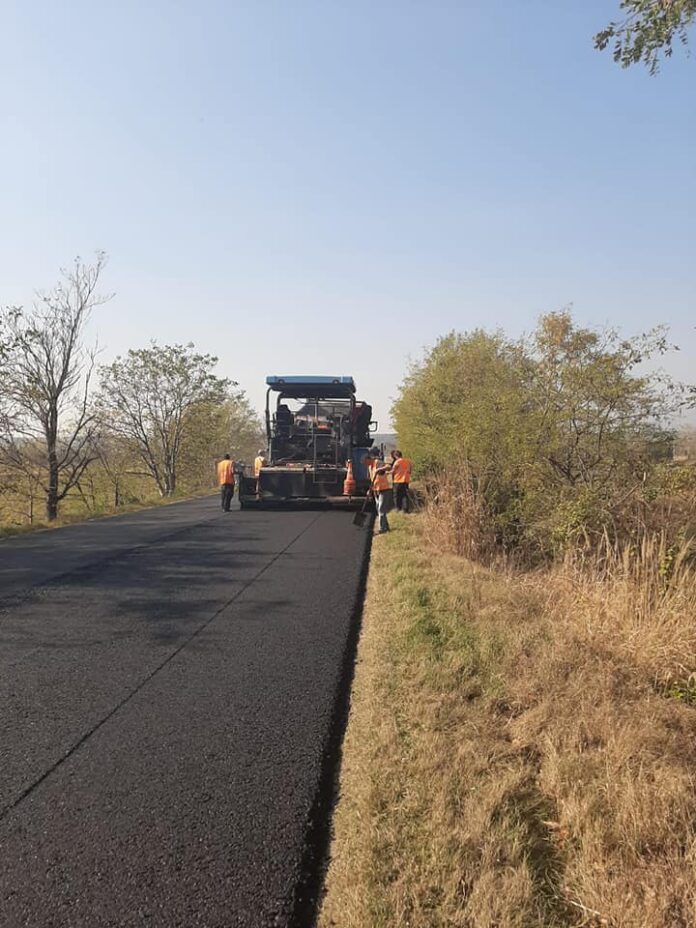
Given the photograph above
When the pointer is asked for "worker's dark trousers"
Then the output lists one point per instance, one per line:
(226, 493)
(401, 498)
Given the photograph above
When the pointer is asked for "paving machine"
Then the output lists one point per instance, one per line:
(318, 439)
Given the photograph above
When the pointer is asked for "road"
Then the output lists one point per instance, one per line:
(170, 684)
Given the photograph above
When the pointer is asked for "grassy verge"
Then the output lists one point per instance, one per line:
(509, 760)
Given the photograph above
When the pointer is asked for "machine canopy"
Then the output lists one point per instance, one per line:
(313, 387)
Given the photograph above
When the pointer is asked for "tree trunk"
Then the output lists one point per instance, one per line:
(169, 483)
(52, 493)
(51, 441)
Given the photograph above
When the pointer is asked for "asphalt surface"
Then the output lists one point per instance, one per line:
(170, 688)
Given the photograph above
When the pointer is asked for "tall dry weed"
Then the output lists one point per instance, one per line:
(599, 671)
(457, 516)
(490, 521)
(609, 703)
(636, 601)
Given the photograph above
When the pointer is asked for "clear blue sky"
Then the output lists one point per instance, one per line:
(326, 187)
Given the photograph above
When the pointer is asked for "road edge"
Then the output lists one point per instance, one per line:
(309, 888)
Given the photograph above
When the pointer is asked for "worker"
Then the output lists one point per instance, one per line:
(401, 475)
(381, 489)
(225, 470)
(259, 462)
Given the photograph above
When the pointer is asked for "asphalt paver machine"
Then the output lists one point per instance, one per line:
(318, 435)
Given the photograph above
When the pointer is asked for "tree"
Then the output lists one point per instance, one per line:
(596, 414)
(549, 434)
(8, 326)
(462, 399)
(685, 444)
(464, 412)
(6, 340)
(648, 29)
(117, 461)
(49, 422)
(147, 398)
(211, 430)
(4, 352)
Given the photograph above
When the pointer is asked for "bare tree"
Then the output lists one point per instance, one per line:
(8, 326)
(147, 398)
(685, 444)
(46, 381)
(119, 460)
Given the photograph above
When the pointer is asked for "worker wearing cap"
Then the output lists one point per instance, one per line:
(259, 462)
(225, 470)
(380, 486)
(401, 475)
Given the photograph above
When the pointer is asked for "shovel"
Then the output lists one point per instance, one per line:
(360, 517)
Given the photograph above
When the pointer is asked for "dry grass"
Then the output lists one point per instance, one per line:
(457, 516)
(521, 748)
(638, 602)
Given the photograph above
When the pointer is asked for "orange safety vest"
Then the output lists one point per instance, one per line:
(225, 471)
(258, 464)
(380, 482)
(401, 470)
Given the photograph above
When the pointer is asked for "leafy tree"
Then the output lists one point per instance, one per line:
(601, 424)
(148, 399)
(551, 431)
(463, 398)
(460, 408)
(596, 414)
(213, 429)
(46, 372)
(648, 29)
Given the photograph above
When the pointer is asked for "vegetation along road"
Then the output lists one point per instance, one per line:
(170, 682)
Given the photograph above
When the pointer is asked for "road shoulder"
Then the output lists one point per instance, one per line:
(500, 765)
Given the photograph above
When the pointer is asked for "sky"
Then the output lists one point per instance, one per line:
(327, 187)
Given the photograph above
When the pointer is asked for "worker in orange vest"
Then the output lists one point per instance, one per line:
(381, 487)
(225, 471)
(401, 475)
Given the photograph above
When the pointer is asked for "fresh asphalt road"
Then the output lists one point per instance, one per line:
(170, 683)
